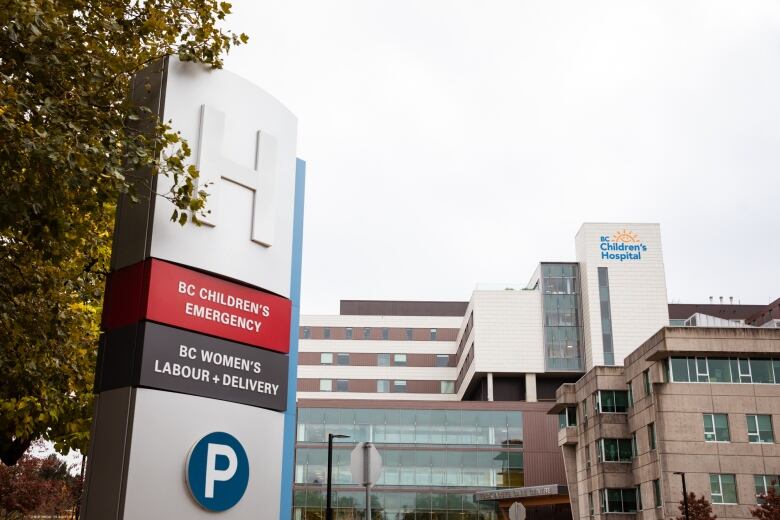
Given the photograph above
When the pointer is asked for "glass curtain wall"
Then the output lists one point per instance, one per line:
(433, 461)
(562, 324)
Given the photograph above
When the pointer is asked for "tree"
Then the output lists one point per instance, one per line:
(69, 139)
(698, 508)
(769, 506)
(37, 486)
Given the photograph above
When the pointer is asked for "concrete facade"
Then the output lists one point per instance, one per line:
(637, 287)
(674, 414)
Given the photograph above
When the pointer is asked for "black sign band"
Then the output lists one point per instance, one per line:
(157, 356)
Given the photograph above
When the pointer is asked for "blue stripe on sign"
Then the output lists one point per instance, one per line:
(290, 416)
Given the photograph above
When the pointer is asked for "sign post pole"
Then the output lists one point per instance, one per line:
(366, 476)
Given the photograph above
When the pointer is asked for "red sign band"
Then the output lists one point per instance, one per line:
(166, 293)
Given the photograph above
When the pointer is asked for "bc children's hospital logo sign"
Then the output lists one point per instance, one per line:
(623, 246)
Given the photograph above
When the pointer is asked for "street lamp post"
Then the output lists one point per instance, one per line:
(685, 493)
(331, 436)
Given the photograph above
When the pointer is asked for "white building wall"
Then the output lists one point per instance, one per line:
(377, 345)
(637, 289)
(508, 335)
(355, 321)
(389, 372)
(351, 396)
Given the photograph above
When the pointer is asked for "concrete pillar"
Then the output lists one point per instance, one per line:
(530, 388)
(490, 386)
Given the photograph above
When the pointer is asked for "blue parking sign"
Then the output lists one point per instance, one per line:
(217, 471)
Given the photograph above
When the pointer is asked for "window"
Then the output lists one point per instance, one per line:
(326, 333)
(587, 455)
(723, 489)
(651, 435)
(571, 415)
(326, 385)
(585, 411)
(638, 497)
(348, 332)
(383, 386)
(342, 385)
(646, 381)
(760, 428)
(724, 370)
(447, 387)
(630, 395)
(306, 333)
(657, 492)
(366, 332)
(716, 427)
(719, 370)
(611, 401)
(385, 333)
(702, 372)
(383, 360)
(326, 358)
(619, 500)
(591, 511)
(763, 483)
(442, 360)
(567, 417)
(399, 386)
(606, 317)
(434, 333)
(634, 446)
(761, 371)
(743, 369)
(399, 360)
(342, 359)
(409, 334)
(614, 450)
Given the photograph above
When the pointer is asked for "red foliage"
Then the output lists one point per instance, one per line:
(698, 508)
(37, 486)
(770, 508)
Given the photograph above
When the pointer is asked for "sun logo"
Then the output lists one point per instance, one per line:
(625, 236)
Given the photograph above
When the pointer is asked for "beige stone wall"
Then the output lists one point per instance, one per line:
(677, 411)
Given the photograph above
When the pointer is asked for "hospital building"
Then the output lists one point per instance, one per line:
(464, 399)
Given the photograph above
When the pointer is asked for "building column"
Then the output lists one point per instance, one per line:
(490, 386)
(530, 388)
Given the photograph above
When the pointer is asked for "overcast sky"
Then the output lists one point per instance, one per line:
(453, 143)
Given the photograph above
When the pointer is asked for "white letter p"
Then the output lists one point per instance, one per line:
(219, 475)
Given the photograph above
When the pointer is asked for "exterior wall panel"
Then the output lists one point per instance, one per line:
(508, 331)
(637, 290)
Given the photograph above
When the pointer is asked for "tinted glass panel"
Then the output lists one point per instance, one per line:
(722, 427)
(615, 500)
(728, 483)
(762, 371)
(720, 370)
(629, 500)
(680, 370)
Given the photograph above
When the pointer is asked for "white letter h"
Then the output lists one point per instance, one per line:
(214, 167)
